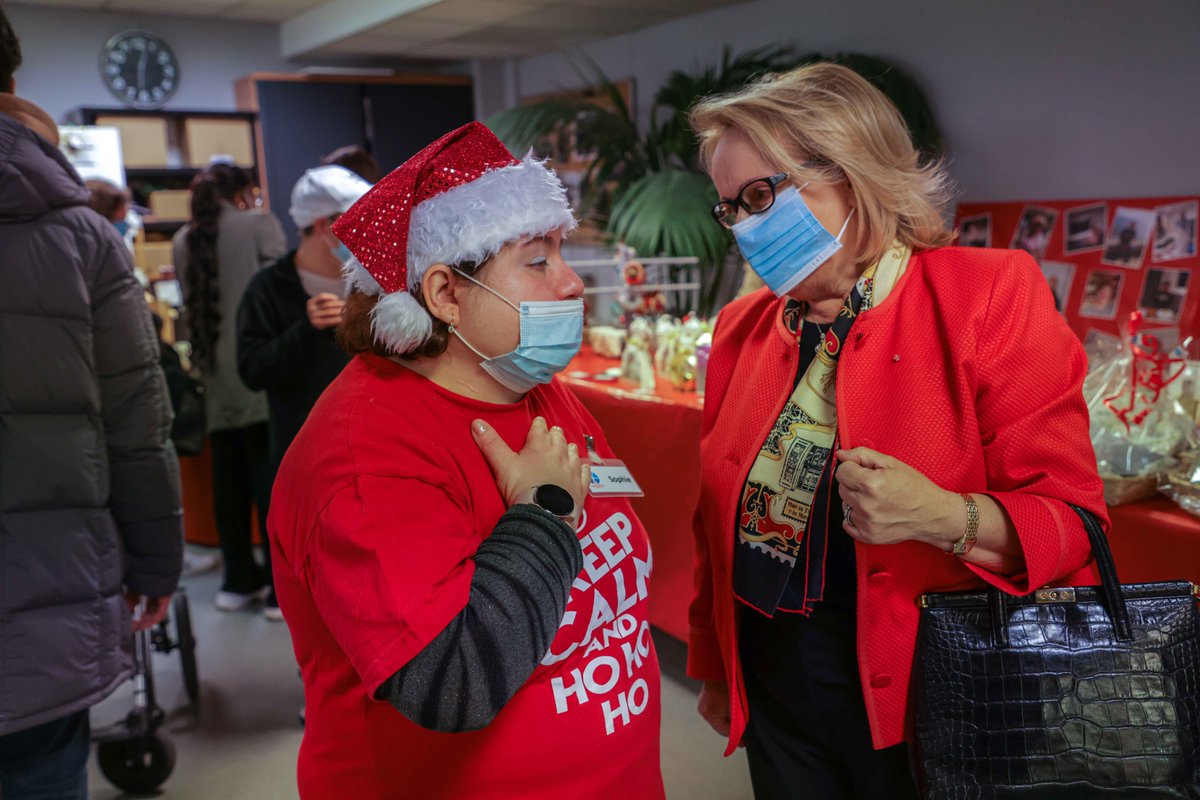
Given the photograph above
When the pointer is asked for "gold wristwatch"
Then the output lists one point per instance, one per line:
(964, 545)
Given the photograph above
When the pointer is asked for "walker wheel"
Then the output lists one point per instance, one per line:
(187, 648)
(138, 765)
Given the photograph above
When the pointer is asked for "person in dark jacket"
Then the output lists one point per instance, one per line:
(89, 484)
(287, 317)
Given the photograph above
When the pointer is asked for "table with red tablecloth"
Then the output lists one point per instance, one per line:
(1155, 540)
(658, 437)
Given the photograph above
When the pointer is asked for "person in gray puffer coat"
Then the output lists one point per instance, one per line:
(90, 522)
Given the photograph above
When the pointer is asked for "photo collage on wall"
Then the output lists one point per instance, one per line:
(1102, 259)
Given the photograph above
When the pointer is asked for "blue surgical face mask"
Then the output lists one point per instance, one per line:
(551, 333)
(341, 253)
(785, 244)
(122, 227)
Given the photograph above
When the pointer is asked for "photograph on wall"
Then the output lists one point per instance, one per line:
(1127, 237)
(1164, 294)
(1059, 275)
(1101, 347)
(975, 231)
(1083, 228)
(1101, 294)
(1175, 231)
(1168, 338)
(1034, 230)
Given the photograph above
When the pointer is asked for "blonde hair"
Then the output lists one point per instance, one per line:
(825, 122)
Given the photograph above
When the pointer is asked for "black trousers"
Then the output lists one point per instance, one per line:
(241, 480)
(808, 736)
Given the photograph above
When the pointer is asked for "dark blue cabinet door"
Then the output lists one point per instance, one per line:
(301, 122)
(403, 118)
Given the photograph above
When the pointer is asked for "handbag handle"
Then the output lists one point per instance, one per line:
(1113, 598)
(1110, 586)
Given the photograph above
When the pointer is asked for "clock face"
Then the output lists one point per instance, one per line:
(139, 69)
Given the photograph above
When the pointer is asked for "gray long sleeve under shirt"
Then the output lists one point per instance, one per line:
(523, 575)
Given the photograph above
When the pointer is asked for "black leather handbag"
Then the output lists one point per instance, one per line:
(1086, 692)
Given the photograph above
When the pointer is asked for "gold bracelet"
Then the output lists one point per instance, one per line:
(964, 545)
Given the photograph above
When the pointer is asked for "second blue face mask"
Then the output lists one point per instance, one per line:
(785, 244)
(551, 333)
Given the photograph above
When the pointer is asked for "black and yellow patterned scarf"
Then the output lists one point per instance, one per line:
(780, 494)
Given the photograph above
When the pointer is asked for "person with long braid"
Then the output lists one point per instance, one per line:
(224, 245)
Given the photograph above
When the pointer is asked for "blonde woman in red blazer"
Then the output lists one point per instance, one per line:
(889, 416)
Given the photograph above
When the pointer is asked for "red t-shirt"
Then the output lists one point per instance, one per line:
(379, 507)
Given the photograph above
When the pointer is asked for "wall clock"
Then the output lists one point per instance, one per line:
(139, 68)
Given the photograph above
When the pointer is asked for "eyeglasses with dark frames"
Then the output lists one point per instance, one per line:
(755, 197)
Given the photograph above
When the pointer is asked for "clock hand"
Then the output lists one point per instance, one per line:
(142, 71)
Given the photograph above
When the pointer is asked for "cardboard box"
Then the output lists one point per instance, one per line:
(151, 257)
(219, 138)
(144, 142)
(171, 204)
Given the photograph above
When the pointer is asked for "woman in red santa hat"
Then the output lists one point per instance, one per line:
(469, 620)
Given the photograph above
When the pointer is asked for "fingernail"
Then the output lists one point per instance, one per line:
(478, 427)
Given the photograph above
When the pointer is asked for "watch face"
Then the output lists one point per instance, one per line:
(555, 499)
(139, 69)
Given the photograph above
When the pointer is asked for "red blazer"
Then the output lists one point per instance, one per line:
(965, 372)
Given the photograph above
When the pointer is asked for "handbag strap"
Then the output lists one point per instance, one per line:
(1110, 586)
(1112, 598)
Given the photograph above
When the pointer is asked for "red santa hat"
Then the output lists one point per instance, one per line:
(460, 199)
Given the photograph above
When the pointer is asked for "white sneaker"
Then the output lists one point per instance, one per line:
(195, 563)
(273, 613)
(233, 601)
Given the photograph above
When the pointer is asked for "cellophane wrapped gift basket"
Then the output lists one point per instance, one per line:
(1143, 424)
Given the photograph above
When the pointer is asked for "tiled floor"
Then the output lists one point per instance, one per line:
(243, 744)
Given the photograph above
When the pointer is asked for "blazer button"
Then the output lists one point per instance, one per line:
(881, 681)
(878, 577)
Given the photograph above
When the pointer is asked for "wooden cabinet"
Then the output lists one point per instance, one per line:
(301, 118)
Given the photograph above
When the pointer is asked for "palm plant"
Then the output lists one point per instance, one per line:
(648, 190)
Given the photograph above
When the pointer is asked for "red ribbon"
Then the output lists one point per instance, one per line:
(1150, 370)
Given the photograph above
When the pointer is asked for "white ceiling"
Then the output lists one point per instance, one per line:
(419, 29)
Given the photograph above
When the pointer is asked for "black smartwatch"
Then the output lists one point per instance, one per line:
(555, 499)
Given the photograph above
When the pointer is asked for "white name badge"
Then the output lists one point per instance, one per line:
(611, 478)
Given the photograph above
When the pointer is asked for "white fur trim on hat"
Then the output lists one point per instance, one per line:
(358, 277)
(474, 221)
(471, 222)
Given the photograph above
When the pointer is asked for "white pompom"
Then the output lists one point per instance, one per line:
(400, 323)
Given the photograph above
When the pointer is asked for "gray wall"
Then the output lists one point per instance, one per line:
(61, 49)
(1036, 98)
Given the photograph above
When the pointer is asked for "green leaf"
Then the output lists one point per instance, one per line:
(674, 137)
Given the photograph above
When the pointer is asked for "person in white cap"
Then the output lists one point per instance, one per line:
(287, 316)
(470, 620)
